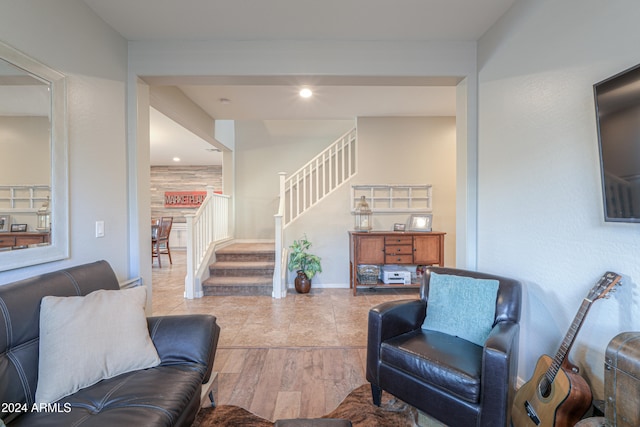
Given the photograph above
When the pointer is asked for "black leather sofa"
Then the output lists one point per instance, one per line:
(165, 395)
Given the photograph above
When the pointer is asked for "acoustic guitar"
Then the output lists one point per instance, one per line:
(556, 396)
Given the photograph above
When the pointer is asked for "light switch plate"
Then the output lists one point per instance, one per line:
(99, 228)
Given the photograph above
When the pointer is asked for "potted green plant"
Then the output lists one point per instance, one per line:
(305, 264)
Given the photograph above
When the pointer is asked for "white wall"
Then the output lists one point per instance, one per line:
(68, 37)
(26, 152)
(263, 149)
(412, 150)
(540, 212)
(25, 160)
(391, 150)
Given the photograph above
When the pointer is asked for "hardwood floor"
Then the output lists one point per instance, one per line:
(293, 357)
(289, 382)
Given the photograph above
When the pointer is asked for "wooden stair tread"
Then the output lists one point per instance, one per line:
(247, 263)
(242, 269)
(243, 264)
(238, 280)
(243, 248)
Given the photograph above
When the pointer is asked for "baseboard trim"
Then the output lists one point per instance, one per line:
(324, 286)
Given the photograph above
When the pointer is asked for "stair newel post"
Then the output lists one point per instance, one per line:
(279, 284)
(189, 280)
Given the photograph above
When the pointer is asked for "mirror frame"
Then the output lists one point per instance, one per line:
(59, 239)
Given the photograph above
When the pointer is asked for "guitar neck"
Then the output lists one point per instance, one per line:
(600, 290)
(568, 340)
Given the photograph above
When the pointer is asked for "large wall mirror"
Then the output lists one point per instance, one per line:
(33, 162)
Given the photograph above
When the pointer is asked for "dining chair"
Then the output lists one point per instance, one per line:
(160, 242)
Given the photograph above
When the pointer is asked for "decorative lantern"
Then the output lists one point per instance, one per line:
(363, 215)
(44, 217)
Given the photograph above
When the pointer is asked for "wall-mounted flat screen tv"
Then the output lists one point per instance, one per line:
(618, 116)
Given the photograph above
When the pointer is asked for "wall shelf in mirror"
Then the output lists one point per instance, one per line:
(24, 198)
(34, 165)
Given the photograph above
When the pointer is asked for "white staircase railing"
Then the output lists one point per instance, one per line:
(209, 225)
(317, 179)
(305, 188)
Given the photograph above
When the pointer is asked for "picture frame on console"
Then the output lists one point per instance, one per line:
(20, 228)
(420, 222)
(5, 220)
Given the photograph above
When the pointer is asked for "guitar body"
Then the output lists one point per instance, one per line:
(556, 396)
(564, 402)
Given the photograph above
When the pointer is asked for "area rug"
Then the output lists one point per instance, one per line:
(357, 407)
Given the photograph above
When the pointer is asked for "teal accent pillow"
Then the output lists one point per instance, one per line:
(461, 306)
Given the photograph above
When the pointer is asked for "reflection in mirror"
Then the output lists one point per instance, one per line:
(25, 164)
(33, 165)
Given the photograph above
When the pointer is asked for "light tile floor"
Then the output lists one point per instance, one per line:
(322, 318)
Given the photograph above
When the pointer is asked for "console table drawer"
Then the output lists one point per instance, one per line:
(398, 259)
(7, 241)
(29, 240)
(398, 250)
(398, 240)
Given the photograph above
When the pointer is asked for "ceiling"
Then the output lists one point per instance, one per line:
(169, 140)
(330, 101)
(276, 98)
(377, 20)
(21, 94)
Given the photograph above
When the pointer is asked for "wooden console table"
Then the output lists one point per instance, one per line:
(9, 239)
(392, 247)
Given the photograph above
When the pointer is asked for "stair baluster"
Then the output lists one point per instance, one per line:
(305, 188)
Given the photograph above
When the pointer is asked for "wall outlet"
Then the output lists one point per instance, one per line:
(99, 228)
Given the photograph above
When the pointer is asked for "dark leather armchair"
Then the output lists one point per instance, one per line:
(451, 379)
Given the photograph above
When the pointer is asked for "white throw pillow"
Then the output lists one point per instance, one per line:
(86, 339)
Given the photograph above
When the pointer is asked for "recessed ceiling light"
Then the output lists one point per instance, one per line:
(176, 159)
(306, 92)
